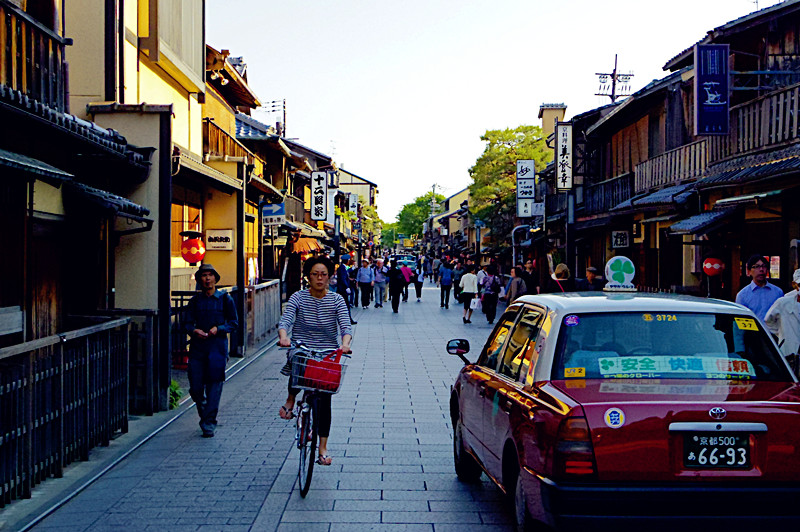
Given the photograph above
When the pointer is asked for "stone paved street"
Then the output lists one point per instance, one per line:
(391, 442)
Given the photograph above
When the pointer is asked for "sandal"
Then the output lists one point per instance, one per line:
(286, 414)
(325, 460)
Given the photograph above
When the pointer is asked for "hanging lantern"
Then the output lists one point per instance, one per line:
(192, 249)
(713, 267)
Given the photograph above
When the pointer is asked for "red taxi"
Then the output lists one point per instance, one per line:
(636, 411)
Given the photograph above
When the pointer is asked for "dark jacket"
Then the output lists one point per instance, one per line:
(562, 285)
(204, 312)
(397, 281)
(342, 279)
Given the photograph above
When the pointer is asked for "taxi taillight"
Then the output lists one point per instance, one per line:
(574, 454)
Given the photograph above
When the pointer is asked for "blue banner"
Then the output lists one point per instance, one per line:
(711, 89)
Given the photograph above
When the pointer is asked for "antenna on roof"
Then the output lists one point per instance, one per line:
(608, 83)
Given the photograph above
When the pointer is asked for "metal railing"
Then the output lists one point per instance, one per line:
(32, 57)
(672, 167)
(180, 340)
(263, 303)
(60, 396)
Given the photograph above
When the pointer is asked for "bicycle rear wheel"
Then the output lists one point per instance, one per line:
(307, 443)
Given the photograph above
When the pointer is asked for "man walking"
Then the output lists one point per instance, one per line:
(210, 316)
(760, 294)
(445, 283)
(397, 281)
(408, 275)
(343, 285)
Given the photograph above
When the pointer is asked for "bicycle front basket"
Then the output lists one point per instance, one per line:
(321, 374)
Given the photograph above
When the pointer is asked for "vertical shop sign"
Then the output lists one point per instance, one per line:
(711, 89)
(353, 207)
(526, 188)
(563, 157)
(319, 195)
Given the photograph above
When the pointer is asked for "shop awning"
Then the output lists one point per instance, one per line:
(667, 196)
(307, 245)
(313, 232)
(750, 169)
(194, 166)
(111, 202)
(702, 223)
(33, 166)
(265, 186)
(748, 198)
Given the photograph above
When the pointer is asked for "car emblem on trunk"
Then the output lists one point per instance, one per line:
(717, 412)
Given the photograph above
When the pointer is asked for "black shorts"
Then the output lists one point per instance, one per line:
(466, 298)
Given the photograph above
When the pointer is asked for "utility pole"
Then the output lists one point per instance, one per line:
(608, 82)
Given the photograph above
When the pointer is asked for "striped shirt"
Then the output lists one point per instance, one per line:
(317, 323)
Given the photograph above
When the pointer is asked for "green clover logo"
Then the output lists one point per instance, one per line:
(620, 269)
(606, 364)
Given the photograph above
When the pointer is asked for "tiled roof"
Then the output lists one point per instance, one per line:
(699, 222)
(249, 128)
(673, 195)
(751, 168)
(109, 201)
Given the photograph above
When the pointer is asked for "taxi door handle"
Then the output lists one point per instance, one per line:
(506, 405)
(482, 390)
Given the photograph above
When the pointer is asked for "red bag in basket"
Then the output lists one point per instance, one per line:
(325, 374)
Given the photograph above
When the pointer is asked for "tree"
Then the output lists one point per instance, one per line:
(413, 215)
(388, 235)
(493, 190)
(372, 223)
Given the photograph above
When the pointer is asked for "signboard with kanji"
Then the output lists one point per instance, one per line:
(711, 89)
(353, 202)
(319, 195)
(620, 239)
(563, 158)
(273, 214)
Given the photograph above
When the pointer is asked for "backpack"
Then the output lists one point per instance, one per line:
(494, 285)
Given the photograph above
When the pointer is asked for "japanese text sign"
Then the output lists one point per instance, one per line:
(563, 158)
(353, 202)
(273, 214)
(711, 88)
(319, 195)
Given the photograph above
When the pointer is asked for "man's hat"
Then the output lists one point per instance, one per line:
(205, 268)
(591, 269)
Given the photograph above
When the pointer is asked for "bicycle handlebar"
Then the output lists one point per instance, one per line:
(303, 347)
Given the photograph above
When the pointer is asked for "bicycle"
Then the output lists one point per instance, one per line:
(314, 372)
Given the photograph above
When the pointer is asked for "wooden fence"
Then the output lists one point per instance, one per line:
(60, 396)
(32, 57)
(682, 164)
(263, 312)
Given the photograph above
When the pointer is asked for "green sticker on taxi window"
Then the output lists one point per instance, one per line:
(571, 373)
(746, 324)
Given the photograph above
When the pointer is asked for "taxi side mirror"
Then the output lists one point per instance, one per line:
(459, 347)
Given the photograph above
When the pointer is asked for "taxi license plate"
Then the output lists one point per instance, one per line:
(708, 450)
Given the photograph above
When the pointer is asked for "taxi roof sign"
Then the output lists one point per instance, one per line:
(620, 272)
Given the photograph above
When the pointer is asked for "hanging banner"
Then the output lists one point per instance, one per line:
(319, 195)
(353, 202)
(526, 187)
(711, 89)
(563, 157)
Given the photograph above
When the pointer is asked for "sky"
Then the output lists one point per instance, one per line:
(400, 92)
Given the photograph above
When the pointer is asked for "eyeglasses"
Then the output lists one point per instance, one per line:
(759, 265)
(318, 274)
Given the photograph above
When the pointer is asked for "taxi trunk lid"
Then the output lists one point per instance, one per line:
(667, 430)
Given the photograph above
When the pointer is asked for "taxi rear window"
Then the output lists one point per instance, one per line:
(668, 345)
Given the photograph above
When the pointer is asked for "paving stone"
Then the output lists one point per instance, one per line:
(464, 518)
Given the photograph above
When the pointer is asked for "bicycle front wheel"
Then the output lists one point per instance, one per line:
(307, 444)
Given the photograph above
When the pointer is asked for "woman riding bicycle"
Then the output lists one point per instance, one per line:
(317, 319)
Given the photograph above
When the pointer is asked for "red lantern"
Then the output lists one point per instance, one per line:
(193, 250)
(713, 267)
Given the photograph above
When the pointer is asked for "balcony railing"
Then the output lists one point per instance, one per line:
(601, 197)
(766, 122)
(295, 209)
(60, 396)
(770, 121)
(673, 167)
(32, 58)
(218, 143)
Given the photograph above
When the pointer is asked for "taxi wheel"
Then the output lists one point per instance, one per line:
(467, 468)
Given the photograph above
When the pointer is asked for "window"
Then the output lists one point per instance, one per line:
(669, 345)
(495, 343)
(521, 345)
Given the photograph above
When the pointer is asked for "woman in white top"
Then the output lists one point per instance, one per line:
(783, 319)
(469, 291)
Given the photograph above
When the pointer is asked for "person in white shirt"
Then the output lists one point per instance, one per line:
(783, 319)
(469, 291)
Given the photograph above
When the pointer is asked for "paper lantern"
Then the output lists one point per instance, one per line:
(713, 267)
(193, 250)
